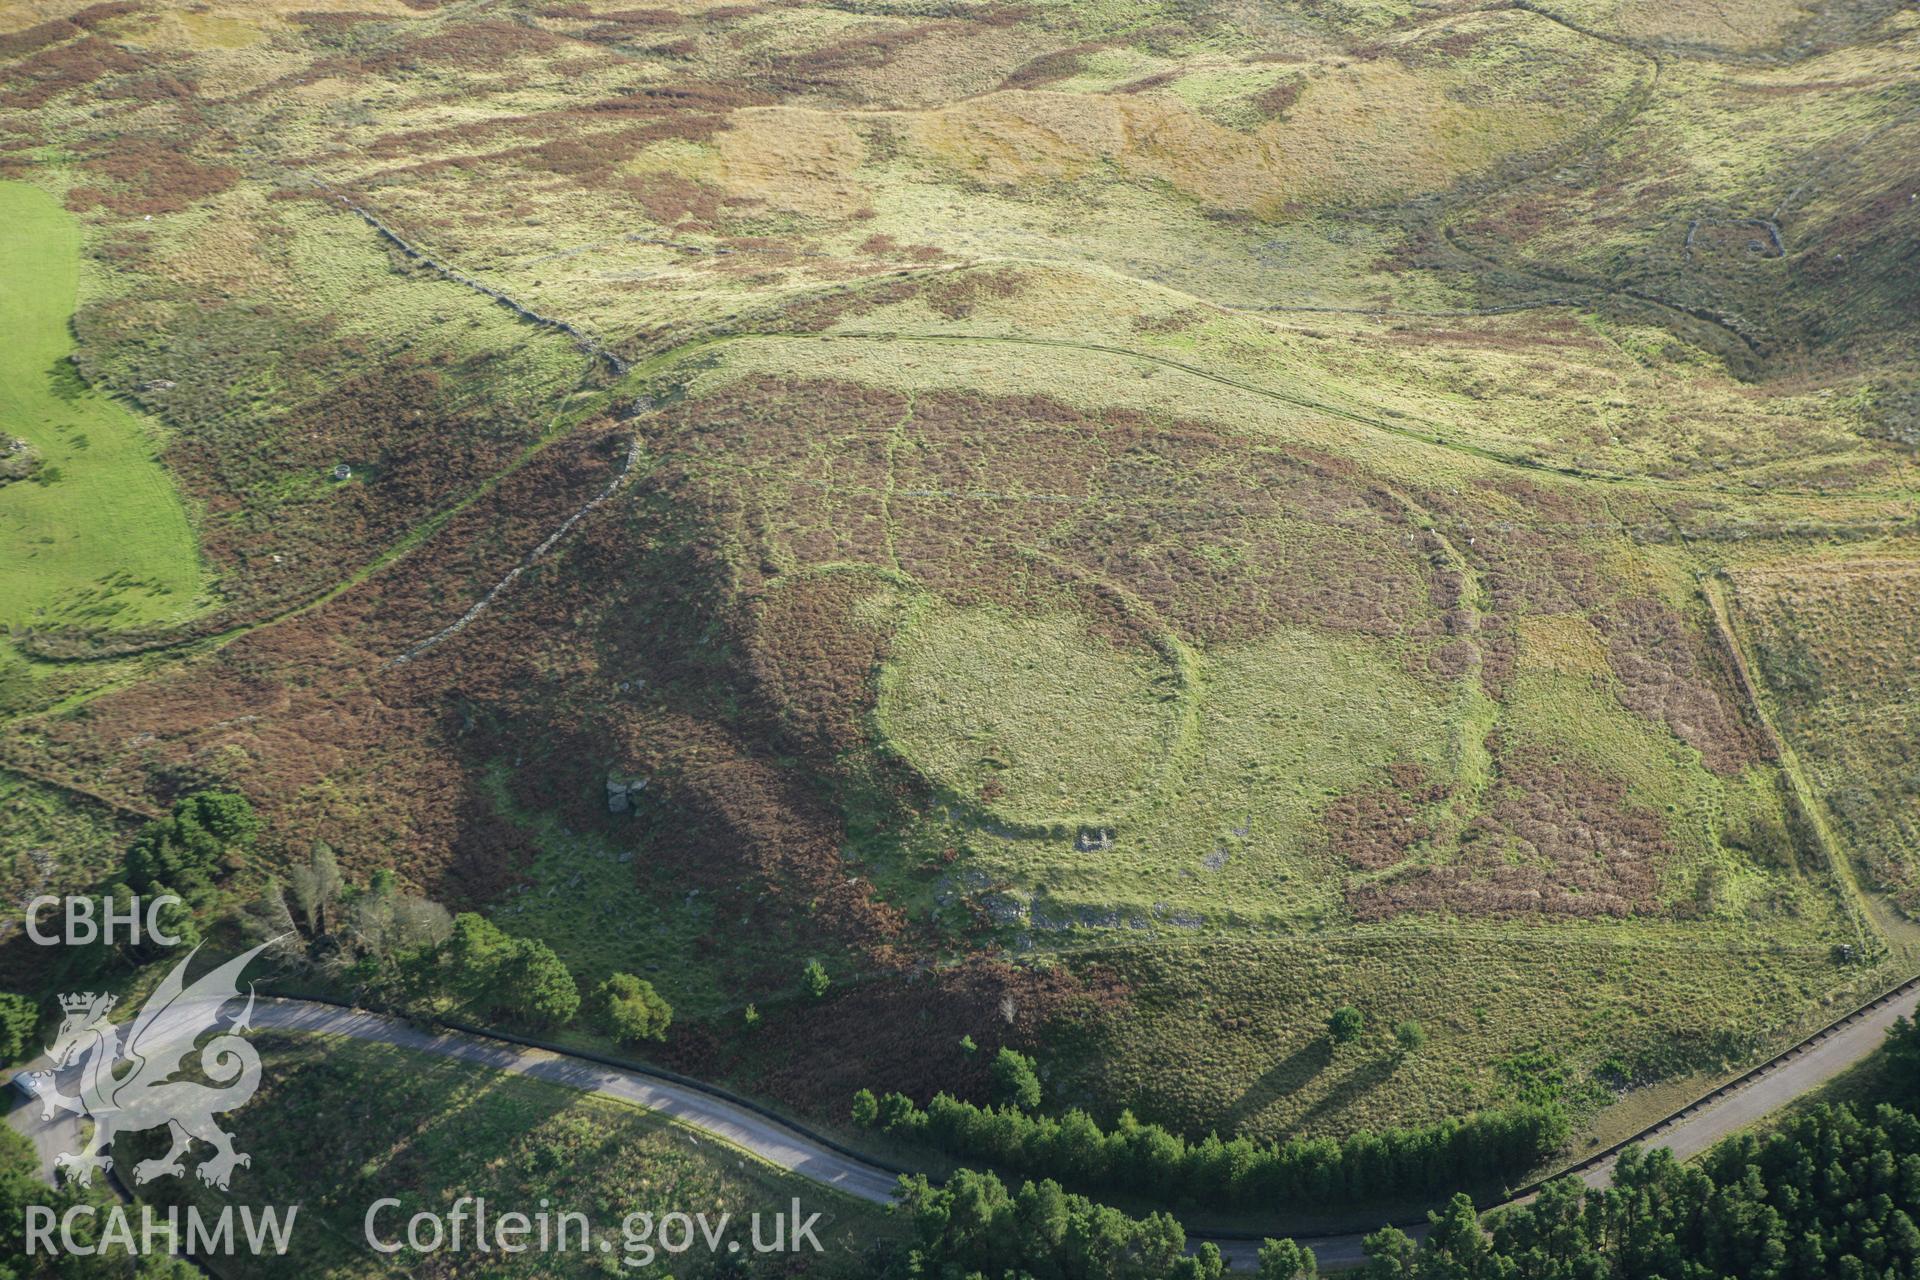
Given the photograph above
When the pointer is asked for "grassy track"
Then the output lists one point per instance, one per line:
(99, 536)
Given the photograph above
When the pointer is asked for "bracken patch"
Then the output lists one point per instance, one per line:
(1557, 840)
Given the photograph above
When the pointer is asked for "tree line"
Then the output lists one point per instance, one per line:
(409, 952)
(1831, 1194)
(371, 941)
(374, 940)
(974, 1226)
(1148, 1159)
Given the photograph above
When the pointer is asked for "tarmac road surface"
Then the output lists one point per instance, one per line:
(1795, 1073)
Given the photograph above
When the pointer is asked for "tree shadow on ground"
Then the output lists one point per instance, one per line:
(1356, 1084)
(1284, 1077)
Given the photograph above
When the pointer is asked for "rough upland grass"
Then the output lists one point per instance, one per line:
(98, 536)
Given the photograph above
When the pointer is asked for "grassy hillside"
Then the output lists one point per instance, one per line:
(96, 534)
(1116, 528)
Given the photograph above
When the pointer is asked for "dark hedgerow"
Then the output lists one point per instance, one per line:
(1483, 1149)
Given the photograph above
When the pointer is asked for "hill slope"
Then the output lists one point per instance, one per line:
(1118, 528)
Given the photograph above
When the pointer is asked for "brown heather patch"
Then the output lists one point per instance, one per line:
(1871, 220)
(816, 315)
(329, 27)
(89, 19)
(1409, 251)
(1024, 500)
(837, 65)
(814, 660)
(900, 1032)
(1451, 660)
(885, 246)
(446, 446)
(628, 24)
(955, 296)
(1666, 671)
(588, 143)
(1161, 502)
(275, 529)
(1529, 571)
(682, 97)
(18, 44)
(1460, 42)
(1558, 840)
(329, 742)
(153, 85)
(1376, 828)
(1002, 15)
(1499, 647)
(668, 198)
(1667, 675)
(1060, 64)
(1158, 80)
(1538, 334)
(1277, 99)
(56, 69)
(150, 175)
(413, 142)
(473, 45)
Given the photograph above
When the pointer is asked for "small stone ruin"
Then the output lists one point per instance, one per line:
(622, 792)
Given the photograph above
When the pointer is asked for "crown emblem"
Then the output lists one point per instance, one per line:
(85, 1001)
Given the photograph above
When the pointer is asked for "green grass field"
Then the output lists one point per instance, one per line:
(1048, 726)
(98, 536)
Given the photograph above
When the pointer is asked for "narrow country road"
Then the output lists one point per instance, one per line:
(1795, 1073)
(1799, 1071)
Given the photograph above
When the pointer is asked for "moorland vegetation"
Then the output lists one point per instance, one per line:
(1106, 531)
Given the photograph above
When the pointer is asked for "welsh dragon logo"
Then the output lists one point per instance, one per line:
(126, 1086)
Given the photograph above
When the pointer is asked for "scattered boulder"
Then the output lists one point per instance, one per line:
(622, 792)
(1005, 909)
(18, 459)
